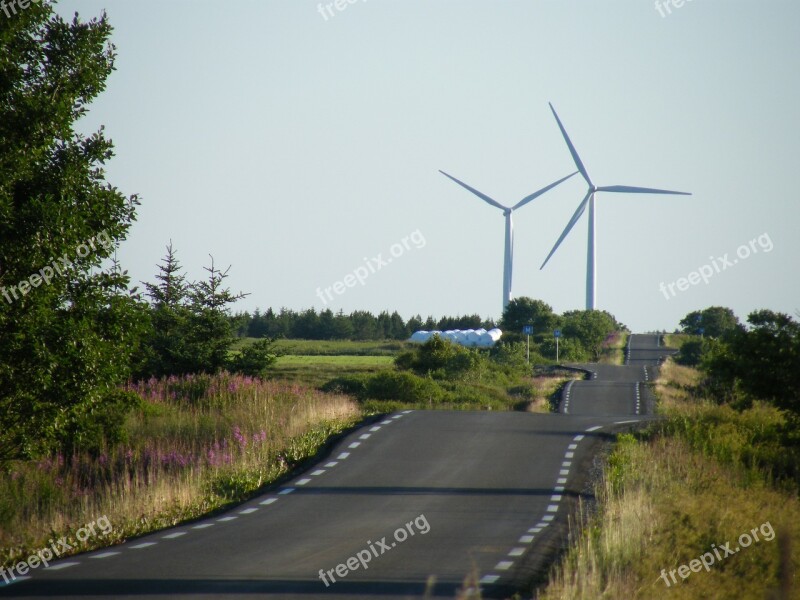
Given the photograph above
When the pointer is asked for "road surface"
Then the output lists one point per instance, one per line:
(415, 500)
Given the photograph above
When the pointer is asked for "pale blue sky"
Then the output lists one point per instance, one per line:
(293, 147)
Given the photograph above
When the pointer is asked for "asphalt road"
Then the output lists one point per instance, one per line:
(418, 498)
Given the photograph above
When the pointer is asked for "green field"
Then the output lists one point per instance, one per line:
(333, 347)
(316, 370)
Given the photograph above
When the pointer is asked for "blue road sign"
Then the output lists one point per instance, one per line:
(557, 333)
(527, 329)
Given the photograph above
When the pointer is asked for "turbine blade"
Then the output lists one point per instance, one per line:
(627, 189)
(572, 150)
(480, 195)
(570, 225)
(535, 195)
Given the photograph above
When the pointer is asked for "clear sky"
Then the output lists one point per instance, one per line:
(298, 145)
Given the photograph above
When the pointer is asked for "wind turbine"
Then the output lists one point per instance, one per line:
(589, 199)
(508, 259)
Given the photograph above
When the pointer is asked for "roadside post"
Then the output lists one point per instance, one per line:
(528, 330)
(557, 334)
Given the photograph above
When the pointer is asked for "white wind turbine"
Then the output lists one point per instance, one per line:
(589, 199)
(508, 259)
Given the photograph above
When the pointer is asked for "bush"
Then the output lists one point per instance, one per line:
(442, 359)
(352, 385)
(691, 353)
(403, 386)
(254, 360)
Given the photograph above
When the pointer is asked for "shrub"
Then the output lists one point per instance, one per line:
(254, 360)
(691, 353)
(442, 359)
(352, 385)
(403, 386)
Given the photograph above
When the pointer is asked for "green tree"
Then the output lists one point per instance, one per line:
(527, 311)
(715, 322)
(325, 325)
(306, 325)
(364, 325)
(68, 325)
(762, 362)
(209, 335)
(255, 359)
(590, 327)
(167, 350)
(342, 326)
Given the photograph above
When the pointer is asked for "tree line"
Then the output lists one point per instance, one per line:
(358, 325)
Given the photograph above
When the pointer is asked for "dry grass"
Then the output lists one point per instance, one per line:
(666, 500)
(544, 390)
(614, 349)
(191, 448)
(675, 384)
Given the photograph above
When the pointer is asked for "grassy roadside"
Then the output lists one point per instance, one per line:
(194, 445)
(613, 352)
(695, 482)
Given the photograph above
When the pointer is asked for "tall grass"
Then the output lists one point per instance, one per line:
(662, 505)
(702, 477)
(613, 351)
(195, 444)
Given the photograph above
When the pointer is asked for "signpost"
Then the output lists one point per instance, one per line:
(557, 334)
(528, 330)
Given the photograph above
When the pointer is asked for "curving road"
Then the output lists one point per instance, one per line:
(417, 499)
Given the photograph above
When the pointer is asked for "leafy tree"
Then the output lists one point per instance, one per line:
(68, 326)
(762, 362)
(714, 321)
(591, 327)
(691, 352)
(527, 311)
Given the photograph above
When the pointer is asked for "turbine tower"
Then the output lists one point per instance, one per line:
(508, 259)
(589, 199)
